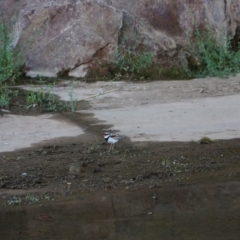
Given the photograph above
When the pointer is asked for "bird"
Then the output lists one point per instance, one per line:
(3, 111)
(111, 139)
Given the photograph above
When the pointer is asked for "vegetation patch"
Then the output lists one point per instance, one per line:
(129, 62)
(174, 73)
(10, 65)
(29, 199)
(10, 59)
(45, 99)
(41, 99)
(216, 55)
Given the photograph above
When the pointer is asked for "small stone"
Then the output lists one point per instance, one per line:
(72, 176)
(2, 185)
(106, 180)
(205, 140)
(49, 176)
(68, 185)
(75, 168)
(4, 196)
(155, 197)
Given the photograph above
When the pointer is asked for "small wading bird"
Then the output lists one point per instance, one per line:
(111, 139)
(3, 111)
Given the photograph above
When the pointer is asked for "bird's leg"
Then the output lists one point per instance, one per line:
(112, 146)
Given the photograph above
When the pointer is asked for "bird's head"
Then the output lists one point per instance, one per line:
(107, 135)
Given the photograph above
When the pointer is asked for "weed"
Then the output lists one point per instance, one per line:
(45, 98)
(5, 95)
(174, 165)
(35, 97)
(10, 64)
(129, 61)
(48, 101)
(10, 60)
(28, 199)
(14, 201)
(73, 101)
(216, 57)
(46, 197)
(31, 199)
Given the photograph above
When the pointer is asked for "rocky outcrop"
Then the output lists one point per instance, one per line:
(62, 37)
(75, 38)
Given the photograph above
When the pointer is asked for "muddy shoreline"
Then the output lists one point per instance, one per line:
(140, 190)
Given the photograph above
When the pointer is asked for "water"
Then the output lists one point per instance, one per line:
(197, 212)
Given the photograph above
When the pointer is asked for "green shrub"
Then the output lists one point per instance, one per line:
(10, 60)
(130, 62)
(4, 96)
(10, 64)
(216, 57)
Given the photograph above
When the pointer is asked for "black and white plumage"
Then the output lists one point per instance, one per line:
(111, 139)
(3, 111)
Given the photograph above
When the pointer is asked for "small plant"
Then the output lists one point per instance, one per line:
(10, 64)
(14, 201)
(174, 165)
(129, 61)
(73, 101)
(166, 163)
(35, 97)
(10, 60)
(28, 199)
(46, 197)
(45, 98)
(48, 101)
(216, 57)
(31, 199)
(5, 95)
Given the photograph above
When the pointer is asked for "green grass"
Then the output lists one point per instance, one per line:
(72, 105)
(44, 97)
(129, 62)
(29, 199)
(48, 101)
(5, 95)
(10, 65)
(10, 59)
(215, 55)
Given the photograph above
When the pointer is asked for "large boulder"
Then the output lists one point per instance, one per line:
(77, 38)
(62, 37)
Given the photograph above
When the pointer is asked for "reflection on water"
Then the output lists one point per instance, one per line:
(190, 212)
